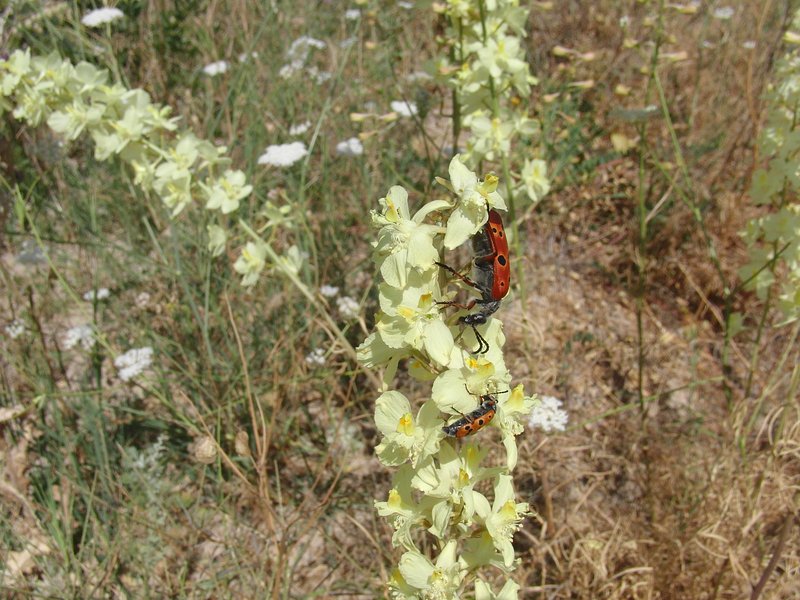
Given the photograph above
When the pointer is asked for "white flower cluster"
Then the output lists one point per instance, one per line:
(348, 307)
(350, 147)
(175, 165)
(101, 16)
(488, 70)
(299, 128)
(297, 58)
(316, 357)
(548, 415)
(80, 334)
(434, 489)
(404, 108)
(133, 362)
(775, 237)
(216, 68)
(73, 99)
(98, 294)
(283, 155)
(15, 329)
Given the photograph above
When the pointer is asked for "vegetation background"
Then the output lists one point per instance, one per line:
(678, 476)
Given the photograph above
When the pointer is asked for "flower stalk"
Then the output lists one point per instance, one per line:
(445, 492)
(491, 83)
(774, 239)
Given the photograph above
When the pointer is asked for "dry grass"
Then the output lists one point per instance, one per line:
(685, 503)
(692, 495)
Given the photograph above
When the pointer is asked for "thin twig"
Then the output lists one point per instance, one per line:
(773, 562)
(258, 422)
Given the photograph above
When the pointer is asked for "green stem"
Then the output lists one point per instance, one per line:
(641, 267)
(641, 235)
(456, 99)
(757, 343)
(687, 198)
(505, 165)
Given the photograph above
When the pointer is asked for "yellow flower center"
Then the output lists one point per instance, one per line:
(406, 425)
(509, 511)
(425, 301)
(463, 478)
(391, 211)
(489, 184)
(407, 313)
(394, 500)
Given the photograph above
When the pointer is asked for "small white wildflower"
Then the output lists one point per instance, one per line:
(404, 108)
(301, 47)
(306, 41)
(244, 56)
(98, 294)
(329, 291)
(548, 416)
(350, 147)
(216, 68)
(81, 334)
(133, 362)
(289, 69)
(624, 21)
(405, 5)
(300, 128)
(100, 16)
(283, 155)
(16, 328)
(352, 14)
(316, 357)
(348, 307)
(318, 76)
(748, 45)
(723, 12)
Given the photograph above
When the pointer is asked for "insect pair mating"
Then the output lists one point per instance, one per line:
(491, 276)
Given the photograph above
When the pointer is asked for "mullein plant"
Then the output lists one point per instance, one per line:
(775, 237)
(441, 486)
(453, 512)
(164, 160)
(491, 81)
